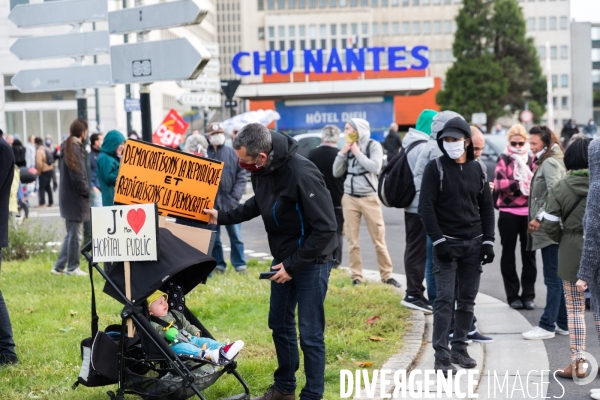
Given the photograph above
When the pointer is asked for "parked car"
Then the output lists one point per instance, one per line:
(494, 146)
(309, 141)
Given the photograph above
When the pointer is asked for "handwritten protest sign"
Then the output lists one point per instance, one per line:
(170, 132)
(181, 184)
(125, 233)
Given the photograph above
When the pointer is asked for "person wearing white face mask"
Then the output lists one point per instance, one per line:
(512, 179)
(458, 213)
(231, 189)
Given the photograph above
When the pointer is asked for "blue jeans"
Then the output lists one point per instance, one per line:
(556, 310)
(97, 199)
(69, 252)
(196, 346)
(237, 248)
(429, 278)
(307, 289)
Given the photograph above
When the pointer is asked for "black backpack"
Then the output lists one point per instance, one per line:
(396, 181)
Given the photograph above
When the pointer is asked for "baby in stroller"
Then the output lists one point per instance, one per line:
(184, 337)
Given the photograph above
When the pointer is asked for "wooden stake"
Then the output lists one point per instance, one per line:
(128, 294)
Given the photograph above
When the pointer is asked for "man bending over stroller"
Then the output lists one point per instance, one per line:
(185, 337)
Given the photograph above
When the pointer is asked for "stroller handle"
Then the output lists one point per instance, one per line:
(85, 251)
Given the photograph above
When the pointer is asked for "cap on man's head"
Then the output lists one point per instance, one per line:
(155, 296)
(214, 128)
(457, 128)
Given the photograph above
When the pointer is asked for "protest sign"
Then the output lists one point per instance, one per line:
(171, 130)
(181, 184)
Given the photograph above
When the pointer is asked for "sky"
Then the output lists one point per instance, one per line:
(585, 10)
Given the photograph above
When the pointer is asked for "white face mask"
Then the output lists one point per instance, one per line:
(454, 149)
(520, 150)
(539, 154)
(217, 139)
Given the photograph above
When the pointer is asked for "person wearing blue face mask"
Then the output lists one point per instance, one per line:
(457, 210)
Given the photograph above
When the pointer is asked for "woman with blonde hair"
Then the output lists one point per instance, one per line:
(512, 181)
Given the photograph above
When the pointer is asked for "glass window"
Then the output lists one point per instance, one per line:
(14, 124)
(395, 28)
(312, 30)
(406, 28)
(564, 102)
(282, 45)
(384, 3)
(343, 3)
(437, 56)
(542, 24)
(313, 44)
(447, 1)
(552, 23)
(542, 51)
(425, 2)
(281, 30)
(531, 24)
(437, 2)
(595, 54)
(291, 4)
(302, 30)
(364, 3)
(416, 28)
(448, 56)
(302, 44)
(332, 3)
(323, 30)
(554, 81)
(292, 31)
(437, 27)
(563, 23)
(271, 31)
(333, 29)
(292, 45)
(447, 26)
(301, 4)
(564, 80)
(375, 29)
(344, 28)
(374, 3)
(271, 4)
(415, 2)
(364, 28)
(344, 43)
(281, 4)
(33, 123)
(261, 33)
(66, 118)
(261, 4)
(271, 45)
(323, 43)
(322, 3)
(395, 3)
(564, 52)
(553, 52)
(385, 28)
(312, 3)
(333, 43)
(595, 32)
(426, 27)
(554, 103)
(365, 42)
(353, 3)
(405, 3)
(354, 29)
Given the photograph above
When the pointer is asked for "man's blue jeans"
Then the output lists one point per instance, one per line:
(307, 289)
(429, 278)
(556, 310)
(237, 248)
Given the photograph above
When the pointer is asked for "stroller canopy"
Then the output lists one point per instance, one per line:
(178, 262)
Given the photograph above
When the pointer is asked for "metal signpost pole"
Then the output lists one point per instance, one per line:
(145, 109)
(127, 86)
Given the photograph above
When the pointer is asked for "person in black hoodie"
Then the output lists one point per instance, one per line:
(297, 210)
(460, 223)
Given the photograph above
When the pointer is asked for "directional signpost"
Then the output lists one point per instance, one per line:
(58, 13)
(69, 45)
(54, 79)
(202, 83)
(206, 99)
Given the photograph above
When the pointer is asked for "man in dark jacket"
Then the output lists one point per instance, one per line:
(458, 213)
(297, 211)
(231, 190)
(392, 142)
(7, 168)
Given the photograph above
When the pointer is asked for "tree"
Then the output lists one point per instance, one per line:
(496, 64)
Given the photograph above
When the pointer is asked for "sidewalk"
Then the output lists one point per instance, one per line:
(520, 361)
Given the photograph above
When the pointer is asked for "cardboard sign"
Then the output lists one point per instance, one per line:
(181, 184)
(170, 132)
(125, 233)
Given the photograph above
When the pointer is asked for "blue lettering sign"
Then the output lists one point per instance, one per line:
(235, 63)
(416, 53)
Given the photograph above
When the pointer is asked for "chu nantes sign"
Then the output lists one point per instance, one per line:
(125, 233)
(355, 60)
(181, 184)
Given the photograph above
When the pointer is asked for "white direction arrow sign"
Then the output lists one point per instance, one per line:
(157, 16)
(59, 13)
(207, 99)
(68, 78)
(213, 49)
(203, 83)
(69, 45)
(213, 67)
(164, 60)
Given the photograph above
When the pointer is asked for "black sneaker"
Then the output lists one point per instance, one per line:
(356, 282)
(443, 364)
(475, 336)
(393, 282)
(8, 359)
(416, 303)
(462, 358)
(529, 304)
(516, 305)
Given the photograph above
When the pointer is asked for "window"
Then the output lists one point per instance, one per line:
(395, 3)
(553, 52)
(374, 3)
(302, 30)
(281, 30)
(271, 4)
(261, 4)
(447, 26)
(282, 45)
(416, 28)
(448, 56)
(384, 3)
(344, 43)
(322, 3)
(395, 28)
(302, 44)
(406, 28)
(437, 27)
(364, 28)
(323, 43)
(261, 33)
(365, 42)
(564, 80)
(301, 4)
(333, 29)
(322, 30)
(375, 29)
(343, 3)
(554, 103)
(542, 51)
(364, 3)
(564, 52)
(281, 4)
(447, 1)
(344, 28)
(291, 4)
(426, 28)
(554, 81)
(415, 2)
(313, 44)
(271, 31)
(405, 3)
(312, 30)
(437, 2)
(272, 45)
(332, 3)
(595, 55)
(542, 24)
(312, 3)
(437, 56)
(353, 3)
(292, 31)
(552, 23)
(292, 45)
(354, 29)
(563, 23)
(531, 24)
(333, 43)
(564, 102)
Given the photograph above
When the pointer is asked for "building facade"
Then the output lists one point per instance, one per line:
(51, 113)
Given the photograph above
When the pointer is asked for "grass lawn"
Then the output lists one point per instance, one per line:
(51, 315)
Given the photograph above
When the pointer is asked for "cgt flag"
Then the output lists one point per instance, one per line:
(171, 130)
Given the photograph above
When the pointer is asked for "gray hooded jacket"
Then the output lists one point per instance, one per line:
(425, 153)
(362, 170)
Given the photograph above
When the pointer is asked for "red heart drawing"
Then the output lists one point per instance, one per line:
(136, 219)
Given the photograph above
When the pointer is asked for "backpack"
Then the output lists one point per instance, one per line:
(49, 156)
(396, 183)
(368, 154)
(484, 184)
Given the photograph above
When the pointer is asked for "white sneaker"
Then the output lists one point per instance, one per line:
(211, 355)
(77, 272)
(560, 331)
(538, 333)
(594, 390)
(231, 350)
(595, 395)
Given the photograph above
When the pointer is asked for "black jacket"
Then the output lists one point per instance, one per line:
(295, 206)
(233, 178)
(392, 144)
(323, 157)
(7, 173)
(465, 209)
(74, 189)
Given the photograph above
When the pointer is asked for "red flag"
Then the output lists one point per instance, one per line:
(171, 130)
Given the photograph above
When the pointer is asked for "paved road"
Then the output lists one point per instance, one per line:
(256, 245)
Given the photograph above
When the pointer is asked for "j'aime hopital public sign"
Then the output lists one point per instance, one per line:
(315, 62)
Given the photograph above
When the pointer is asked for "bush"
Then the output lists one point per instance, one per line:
(26, 240)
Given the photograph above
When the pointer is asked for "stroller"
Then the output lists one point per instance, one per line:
(145, 364)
